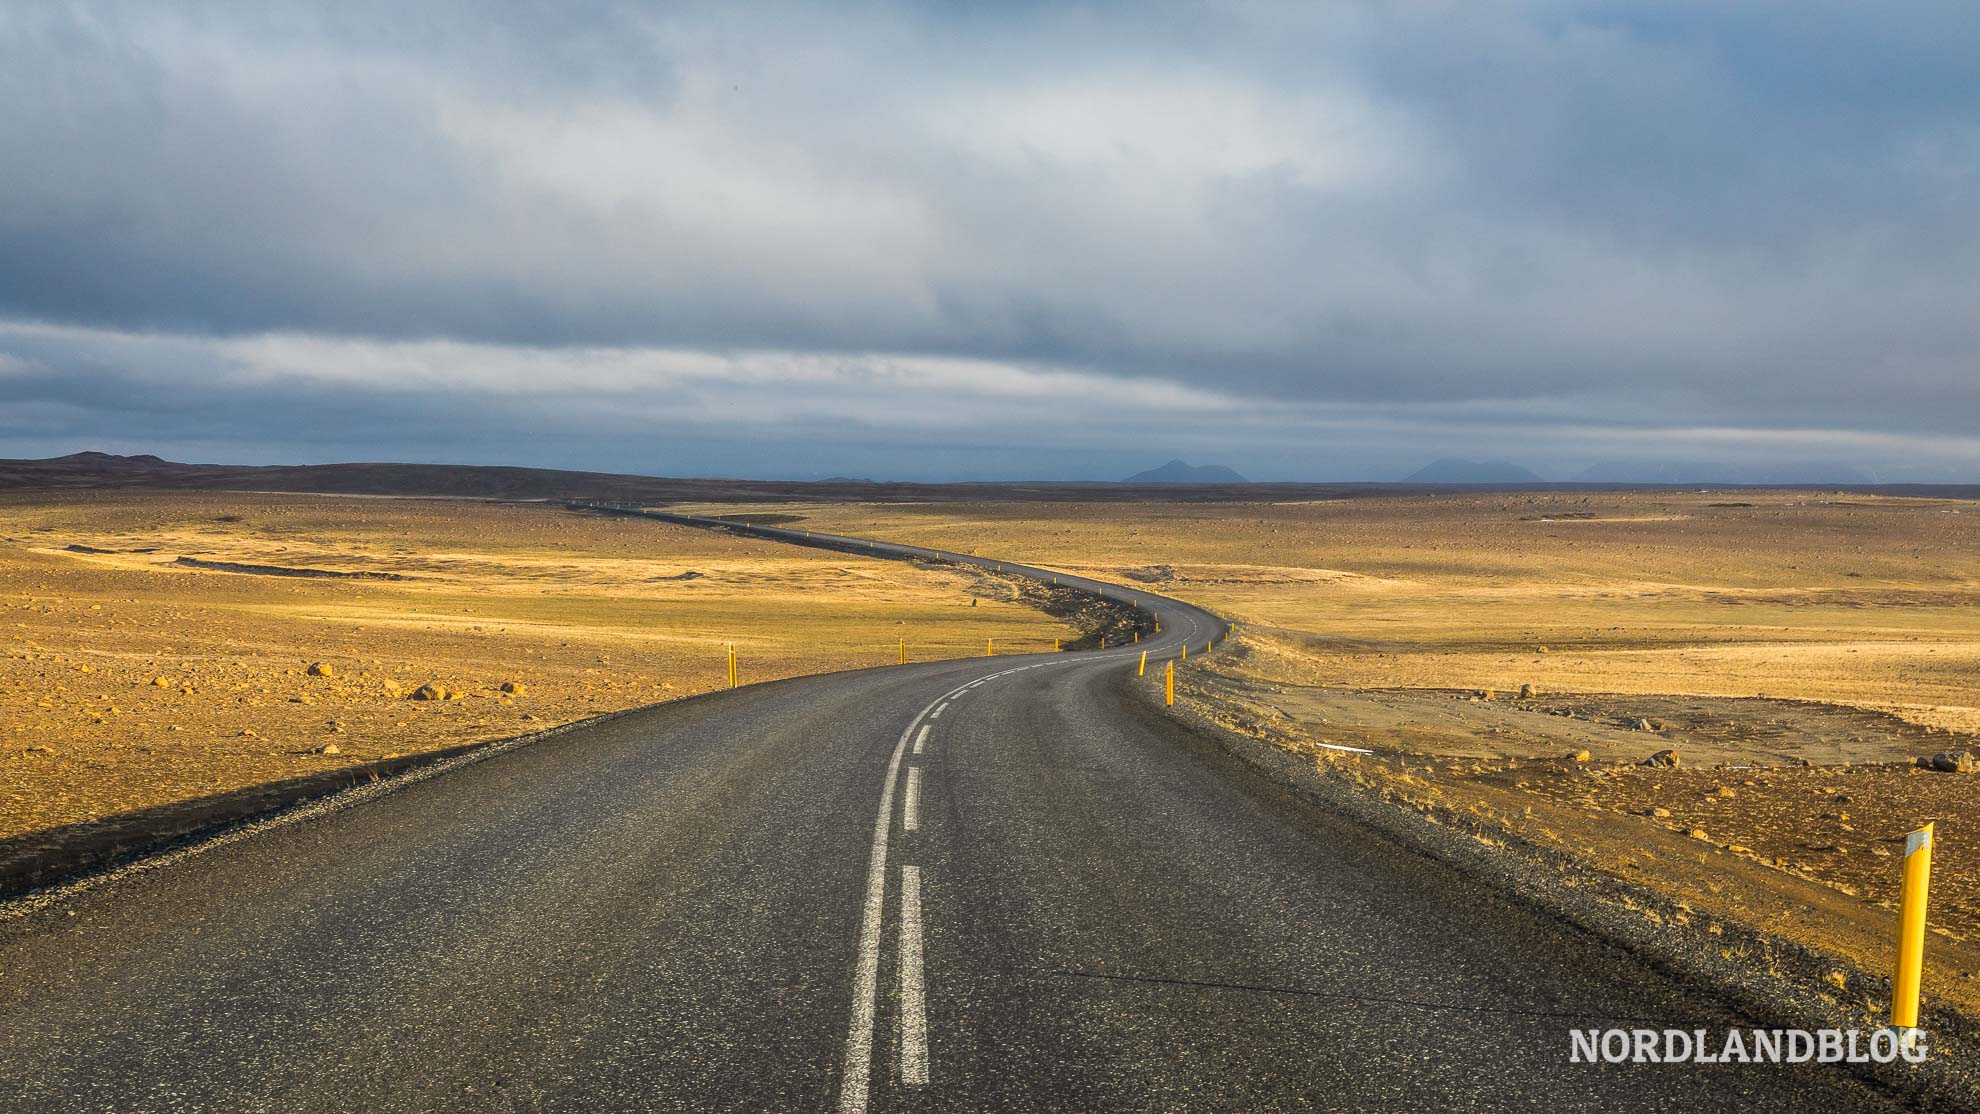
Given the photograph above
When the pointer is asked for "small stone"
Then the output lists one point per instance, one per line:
(329, 748)
(160, 682)
(513, 688)
(429, 692)
(1663, 758)
(1661, 813)
(1645, 725)
(1578, 756)
(1699, 833)
(321, 669)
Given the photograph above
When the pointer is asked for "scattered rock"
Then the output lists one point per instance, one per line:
(321, 669)
(249, 733)
(1699, 833)
(1578, 756)
(328, 748)
(430, 692)
(1528, 692)
(1644, 725)
(1661, 813)
(513, 688)
(160, 682)
(1663, 758)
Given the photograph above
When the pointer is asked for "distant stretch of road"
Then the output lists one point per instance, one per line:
(1007, 883)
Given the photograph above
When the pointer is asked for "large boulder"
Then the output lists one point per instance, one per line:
(1955, 762)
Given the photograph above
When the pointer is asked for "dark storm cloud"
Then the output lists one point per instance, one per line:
(1350, 234)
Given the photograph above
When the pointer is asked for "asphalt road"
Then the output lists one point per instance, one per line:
(990, 884)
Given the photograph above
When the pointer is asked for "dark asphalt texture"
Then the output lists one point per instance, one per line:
(663, 911)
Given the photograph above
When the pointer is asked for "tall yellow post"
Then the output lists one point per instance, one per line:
(1206, 646)
(1185, 651)
(1169, 685)
(903, 651)
(1911, 928)
(732, 665)
(989, 647)
(1137, 637)
(1142, 669)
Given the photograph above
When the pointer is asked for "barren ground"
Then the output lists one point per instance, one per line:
(129, 679)
(1798, 650)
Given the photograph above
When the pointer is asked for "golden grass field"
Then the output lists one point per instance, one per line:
(1857, 600)
(1799, 650)
(129, 680)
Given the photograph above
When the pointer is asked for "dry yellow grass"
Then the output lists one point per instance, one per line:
(1749, 631)
(1857, 600)
(127, 680)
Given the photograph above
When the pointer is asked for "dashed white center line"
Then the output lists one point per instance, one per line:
(858, 1075)
(937, 713)
(921, 740)
(911, 808)
(914, 1009)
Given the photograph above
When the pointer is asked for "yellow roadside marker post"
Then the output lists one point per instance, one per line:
(1185, 651)
(903, 651)
(1055, 645)
(989, 647)
(1206, 647)
(1169, 685)
(732, 665)
(1911, 929)
(1142, 669)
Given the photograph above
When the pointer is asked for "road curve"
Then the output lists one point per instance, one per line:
(1003, 883)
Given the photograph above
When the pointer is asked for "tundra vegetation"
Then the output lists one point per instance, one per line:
(162, 647)
(1743, 699)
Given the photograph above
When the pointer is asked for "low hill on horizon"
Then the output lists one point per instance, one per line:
(1178, 472)
(96, 470)
(1451, 470)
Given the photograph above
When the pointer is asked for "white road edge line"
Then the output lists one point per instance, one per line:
(858, 1074)
(914, 1006)
(911, 807)
(921, 740)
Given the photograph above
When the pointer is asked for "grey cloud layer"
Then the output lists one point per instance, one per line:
(1602, 215)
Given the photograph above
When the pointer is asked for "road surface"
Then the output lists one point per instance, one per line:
(1004, 883)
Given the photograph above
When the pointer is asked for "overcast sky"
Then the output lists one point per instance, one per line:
(1309, 241)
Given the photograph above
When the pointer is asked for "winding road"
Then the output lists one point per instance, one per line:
(1006, 883)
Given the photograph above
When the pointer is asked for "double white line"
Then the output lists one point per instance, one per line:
(913, 1023)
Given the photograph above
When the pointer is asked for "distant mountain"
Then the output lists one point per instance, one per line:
(1176, 472)
(1453, 471)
